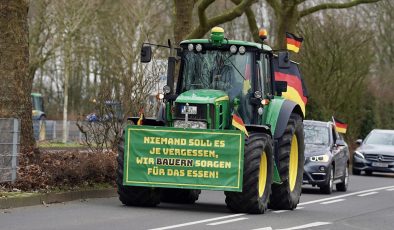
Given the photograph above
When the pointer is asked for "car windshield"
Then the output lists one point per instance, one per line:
(217, 69)
(316, 135)
(380, 139)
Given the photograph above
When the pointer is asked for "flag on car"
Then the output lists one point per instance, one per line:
(142, 118)
(340, 126)
(293, 42)
(296, 90)
(238, 123)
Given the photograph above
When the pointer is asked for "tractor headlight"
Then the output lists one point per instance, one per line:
(198, 47)
(320, 158)
(190, 124)
(359, 154)
(166, 89)
(190, 47)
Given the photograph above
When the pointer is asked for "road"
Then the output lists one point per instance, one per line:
(368, 204)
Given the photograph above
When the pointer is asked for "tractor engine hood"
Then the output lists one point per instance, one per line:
(202, 96)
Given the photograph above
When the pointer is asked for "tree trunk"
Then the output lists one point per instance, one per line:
(16, 84)
(183, 19)
(287, 20)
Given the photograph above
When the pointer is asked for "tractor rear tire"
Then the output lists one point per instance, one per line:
(134, 195)
(286, 195)
(257, 176)
(179, 196)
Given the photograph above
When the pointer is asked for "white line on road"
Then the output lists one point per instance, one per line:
(333, 201)
(298, 208)
(346, 195)
(228, 221)
(314, 224)
(266, 228)
(390, 189)
(367, 194)
(197, 222)
(280, 211)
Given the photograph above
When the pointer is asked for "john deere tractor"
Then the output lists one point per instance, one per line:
(233, 122)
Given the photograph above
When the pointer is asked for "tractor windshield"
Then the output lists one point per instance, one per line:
(217, 69)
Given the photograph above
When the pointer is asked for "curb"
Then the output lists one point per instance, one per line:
(55, 197)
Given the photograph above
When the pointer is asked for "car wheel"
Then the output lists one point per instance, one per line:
(327, 188)
(356, 171)
(345, 181)
(369, 173)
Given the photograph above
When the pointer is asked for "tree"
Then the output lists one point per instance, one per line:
(15, 89)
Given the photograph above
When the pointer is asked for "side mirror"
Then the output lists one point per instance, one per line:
(280, 87)
(359, 141)
(340, 143)
(284, 60)
(146, 54)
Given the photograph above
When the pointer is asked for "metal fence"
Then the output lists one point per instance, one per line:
(9, 148)
(52, 130)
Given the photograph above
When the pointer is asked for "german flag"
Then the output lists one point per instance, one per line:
(238, 123)
(142, 118)
(293, 42)
(296, 90)
(340, 126)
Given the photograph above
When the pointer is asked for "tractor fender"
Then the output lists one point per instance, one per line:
(287, 108)
(259, 128)
(147, 121)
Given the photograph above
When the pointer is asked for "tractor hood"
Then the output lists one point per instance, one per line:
(202, 96)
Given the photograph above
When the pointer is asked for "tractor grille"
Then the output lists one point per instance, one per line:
(201, 112)
(378, 157)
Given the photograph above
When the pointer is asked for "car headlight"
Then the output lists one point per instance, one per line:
(359, 154)
(320, 158)
(190, 124)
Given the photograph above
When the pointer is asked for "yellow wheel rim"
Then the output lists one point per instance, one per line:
(293, 162)
(262, 174)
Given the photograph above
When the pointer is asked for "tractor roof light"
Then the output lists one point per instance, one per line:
(217, 35)
(198, 47)
(190, 47)
(263, 34)
(242, 49)
(166, 89)
(233, 49)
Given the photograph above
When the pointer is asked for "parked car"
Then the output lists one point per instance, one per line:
(326, 157)
(375, 153)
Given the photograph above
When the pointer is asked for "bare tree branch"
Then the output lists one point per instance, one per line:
(228, 15)
(326, 6)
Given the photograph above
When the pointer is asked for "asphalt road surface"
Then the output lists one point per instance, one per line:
(368, 204)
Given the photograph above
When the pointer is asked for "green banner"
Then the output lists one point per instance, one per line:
(184, 158)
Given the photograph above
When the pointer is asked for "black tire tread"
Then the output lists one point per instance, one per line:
(179, 196)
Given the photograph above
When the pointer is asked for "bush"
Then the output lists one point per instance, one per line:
(65, 169)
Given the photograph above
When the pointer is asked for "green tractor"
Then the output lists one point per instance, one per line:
(234, 122)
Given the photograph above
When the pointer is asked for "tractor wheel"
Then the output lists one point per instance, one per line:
(257, 176)
(180, 196)
(291, 166)
(133, 195)
(342, 186)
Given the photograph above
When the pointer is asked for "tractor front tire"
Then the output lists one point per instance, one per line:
(180, 196)
(133, 195)
(257, 176)
(286, 195)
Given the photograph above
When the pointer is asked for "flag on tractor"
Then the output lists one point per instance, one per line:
(296, 90)
(238, 123)
(293, 42)
(340, 126)
(142, 118)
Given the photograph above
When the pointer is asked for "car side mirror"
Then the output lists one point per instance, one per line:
(359, 141)
(340, 143)
(146, 54)
(284, 60)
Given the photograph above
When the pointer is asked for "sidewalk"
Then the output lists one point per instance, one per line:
(30, 199)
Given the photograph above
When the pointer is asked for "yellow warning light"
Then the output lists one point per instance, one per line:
(263, 34)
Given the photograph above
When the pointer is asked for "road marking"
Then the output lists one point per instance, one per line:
(333, 201)
(228, 221)
(390, 189)
(367, 194)
(346, 195)
(280, 211)
(197, 222)
(266, 228)
(298, 208)
(314, 224)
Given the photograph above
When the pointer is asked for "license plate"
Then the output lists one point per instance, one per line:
(380, 164)
(191, 110)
